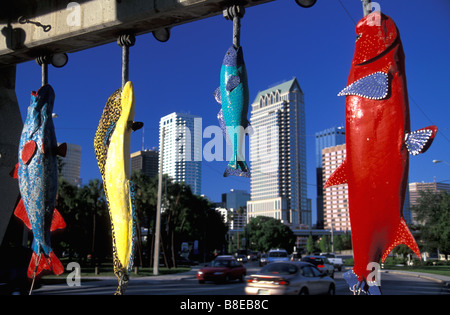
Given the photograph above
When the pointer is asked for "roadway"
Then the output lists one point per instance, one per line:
(186, 284)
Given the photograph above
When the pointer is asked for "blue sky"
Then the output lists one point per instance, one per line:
(280, 40)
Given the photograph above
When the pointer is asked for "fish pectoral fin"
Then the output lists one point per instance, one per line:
(15, 171)
(62, 150)
(420, 140)
(57, 221)
(21, 213)
(339, 176)
(233, 82)
(135, 125)
(402, 236)
(28, 151)
(217, 95)
(375, 86)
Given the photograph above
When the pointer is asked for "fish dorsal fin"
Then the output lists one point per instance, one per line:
(420, 140)
(402, 236)
(374, 87)
(339, 176)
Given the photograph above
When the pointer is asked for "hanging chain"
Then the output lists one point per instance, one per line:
(43, 61)
(235, 13)
(125, 41)
(24, 20)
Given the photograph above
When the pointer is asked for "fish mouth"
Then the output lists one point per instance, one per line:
(234, 57)
(377, 34)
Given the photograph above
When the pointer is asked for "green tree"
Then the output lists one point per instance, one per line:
(433, 214)
(324, 244)
(85, 213)
(265, 233)
(342, 242)
(311, 246)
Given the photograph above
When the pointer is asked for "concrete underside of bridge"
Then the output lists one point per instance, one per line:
(32, 28)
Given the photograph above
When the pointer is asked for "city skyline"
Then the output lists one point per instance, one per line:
(181, 75)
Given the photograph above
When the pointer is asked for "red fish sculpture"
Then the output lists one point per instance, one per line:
(378, 144)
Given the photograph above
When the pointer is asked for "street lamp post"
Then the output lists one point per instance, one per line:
(440, 161)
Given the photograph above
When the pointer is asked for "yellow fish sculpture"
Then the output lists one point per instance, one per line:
(112, 150)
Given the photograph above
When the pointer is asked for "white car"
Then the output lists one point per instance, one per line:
(293, 278)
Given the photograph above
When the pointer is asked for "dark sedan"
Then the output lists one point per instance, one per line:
(222, 269)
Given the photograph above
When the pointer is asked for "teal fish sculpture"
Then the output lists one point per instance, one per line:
(233, 96)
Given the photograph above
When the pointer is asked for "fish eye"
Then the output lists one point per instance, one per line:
(358, 36)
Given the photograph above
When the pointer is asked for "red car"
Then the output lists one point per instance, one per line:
(222, 269)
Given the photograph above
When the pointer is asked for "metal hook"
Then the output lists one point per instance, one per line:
(235, 13)
(24, 20)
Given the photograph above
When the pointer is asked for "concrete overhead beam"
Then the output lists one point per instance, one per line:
(62, 26)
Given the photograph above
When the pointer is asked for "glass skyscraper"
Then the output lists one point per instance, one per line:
(182, 152)
(278, 155)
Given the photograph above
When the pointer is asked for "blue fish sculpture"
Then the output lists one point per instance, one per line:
(233, 95)
(37, 172)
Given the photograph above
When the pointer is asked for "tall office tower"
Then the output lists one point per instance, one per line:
(335, 199)
(146, 162)
(71, 164)
(278, 155)
(182, 152)
(416, 188)
(325, 139)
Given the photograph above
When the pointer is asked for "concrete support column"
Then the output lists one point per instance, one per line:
(10, 130)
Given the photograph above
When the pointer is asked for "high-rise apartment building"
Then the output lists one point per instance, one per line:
(416, 188)
(278, 155)
(324, 139)
(182, 151)
(335, 198)
(146, 162)
(71, 164)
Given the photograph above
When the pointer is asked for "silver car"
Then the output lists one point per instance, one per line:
(294, 278)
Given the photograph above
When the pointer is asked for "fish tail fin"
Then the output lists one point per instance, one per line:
(237, 167)
(403, 236)
(39, 262)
